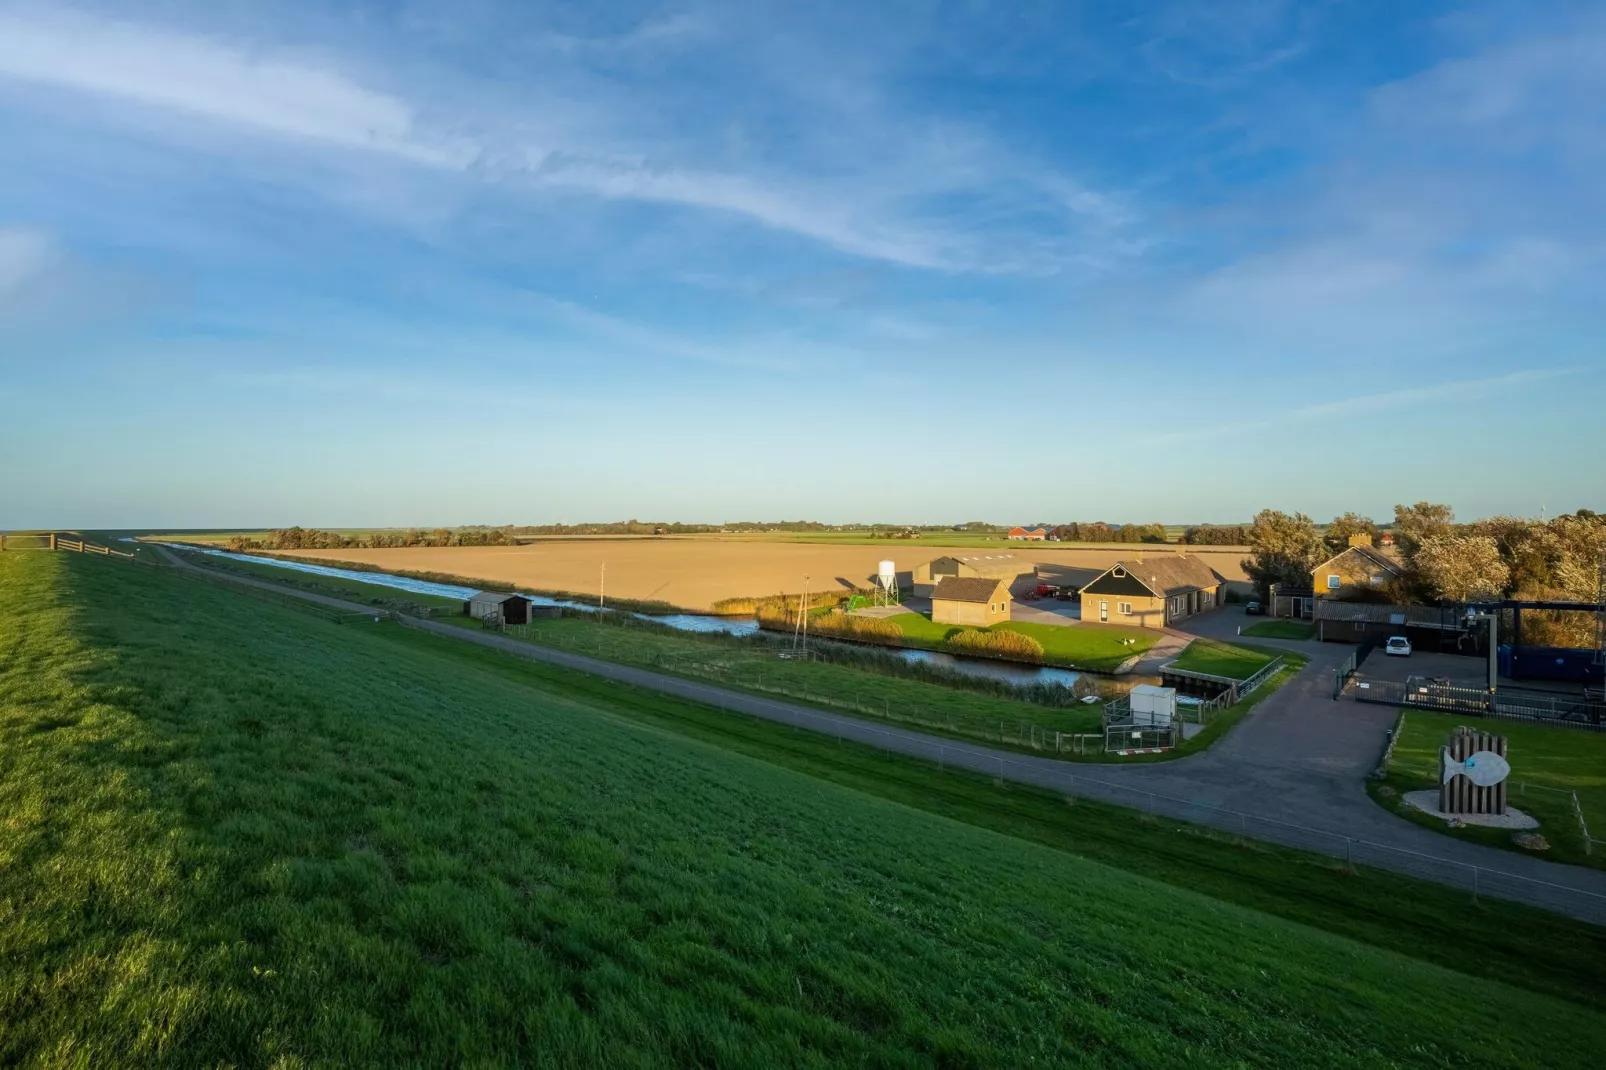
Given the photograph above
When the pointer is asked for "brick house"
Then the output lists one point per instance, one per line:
(1153, 593)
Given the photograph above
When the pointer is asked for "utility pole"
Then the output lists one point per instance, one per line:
(602, 587)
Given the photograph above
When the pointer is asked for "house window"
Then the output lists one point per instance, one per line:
(1360, 625)
(1123, 608)
(1104, 610)
(1118, 573)
(1333, 582)
(1176, 606)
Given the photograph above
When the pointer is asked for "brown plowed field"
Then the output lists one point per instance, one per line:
(695, 572)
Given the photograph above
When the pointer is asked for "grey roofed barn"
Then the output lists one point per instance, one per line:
(967, 589)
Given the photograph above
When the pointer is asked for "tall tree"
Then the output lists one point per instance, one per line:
(1461, 568)
(1285, 548)
(1339, 531)
(1416, 524)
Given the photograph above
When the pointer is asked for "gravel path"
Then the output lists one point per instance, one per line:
(1292, 772)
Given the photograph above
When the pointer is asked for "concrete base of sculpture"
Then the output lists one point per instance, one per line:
(1428, 803)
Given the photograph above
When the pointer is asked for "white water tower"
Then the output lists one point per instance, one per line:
(886, 584)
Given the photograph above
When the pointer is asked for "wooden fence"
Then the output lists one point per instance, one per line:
(56, 540)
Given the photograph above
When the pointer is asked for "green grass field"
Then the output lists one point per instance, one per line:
(1224, 659)
(929, 706)
(236, 834)
(1281, 629)
(842, 688)
(335, 586)
(1096, 649)
(1559, 759)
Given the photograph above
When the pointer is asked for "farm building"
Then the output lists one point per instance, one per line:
(1355, 574)
(1291, 600)
(1152, 593)
(495, 606)
(978, 600)
(1028, 534)
(1435, 628)
(1017, 573)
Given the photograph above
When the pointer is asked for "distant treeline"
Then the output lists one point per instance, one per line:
(299, 538)
(1218, 535)
(1099, 531)
(313, 539)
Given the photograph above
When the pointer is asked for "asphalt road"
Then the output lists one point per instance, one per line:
(1292, 772)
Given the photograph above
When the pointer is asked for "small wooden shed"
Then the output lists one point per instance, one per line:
(498, 606)
(973, 600)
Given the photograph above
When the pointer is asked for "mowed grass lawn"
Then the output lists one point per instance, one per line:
(1096, 648)
(1223, 659)
(335, 586)
(950, 711)
(1561, 759)
(231, 833)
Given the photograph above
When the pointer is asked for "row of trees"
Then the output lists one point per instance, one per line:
(299, 538)
(1217, 535)
(1450, 562)
(1098, 531)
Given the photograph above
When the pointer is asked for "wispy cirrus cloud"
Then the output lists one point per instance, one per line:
(1461, 391)
(25, 254)
(213, 79)
(904, 207)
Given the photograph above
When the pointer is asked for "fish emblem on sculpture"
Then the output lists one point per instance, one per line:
(1485, 768)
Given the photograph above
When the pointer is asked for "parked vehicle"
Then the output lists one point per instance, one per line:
(1254, 609)
(1398, 646)
(1047, 590)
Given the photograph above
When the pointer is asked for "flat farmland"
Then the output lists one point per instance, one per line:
(696, 571)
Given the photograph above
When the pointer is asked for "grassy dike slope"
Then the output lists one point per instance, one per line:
(234, 833)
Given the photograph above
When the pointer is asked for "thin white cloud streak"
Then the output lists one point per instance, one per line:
(25, 254)
(1464, 390)
(654, 342)
(872, 214)
(213, 79)
(765, 203)
(407, 388)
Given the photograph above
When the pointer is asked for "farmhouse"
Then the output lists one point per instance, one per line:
(1028, 534)
(1017, 573)
(977, 600)
(1355, 574)
(1152, 593)
(494, 606)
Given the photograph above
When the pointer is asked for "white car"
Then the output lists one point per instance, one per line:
(1398, 646)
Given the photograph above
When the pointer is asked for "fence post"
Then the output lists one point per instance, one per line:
(1349, 854)
(52, 540)
(1474, 884)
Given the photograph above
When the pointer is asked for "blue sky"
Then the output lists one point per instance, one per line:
(496, 261)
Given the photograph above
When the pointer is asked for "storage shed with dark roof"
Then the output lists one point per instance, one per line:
(976, 600)
(496, 607)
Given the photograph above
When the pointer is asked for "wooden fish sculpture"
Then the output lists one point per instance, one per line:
(1485, 768)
